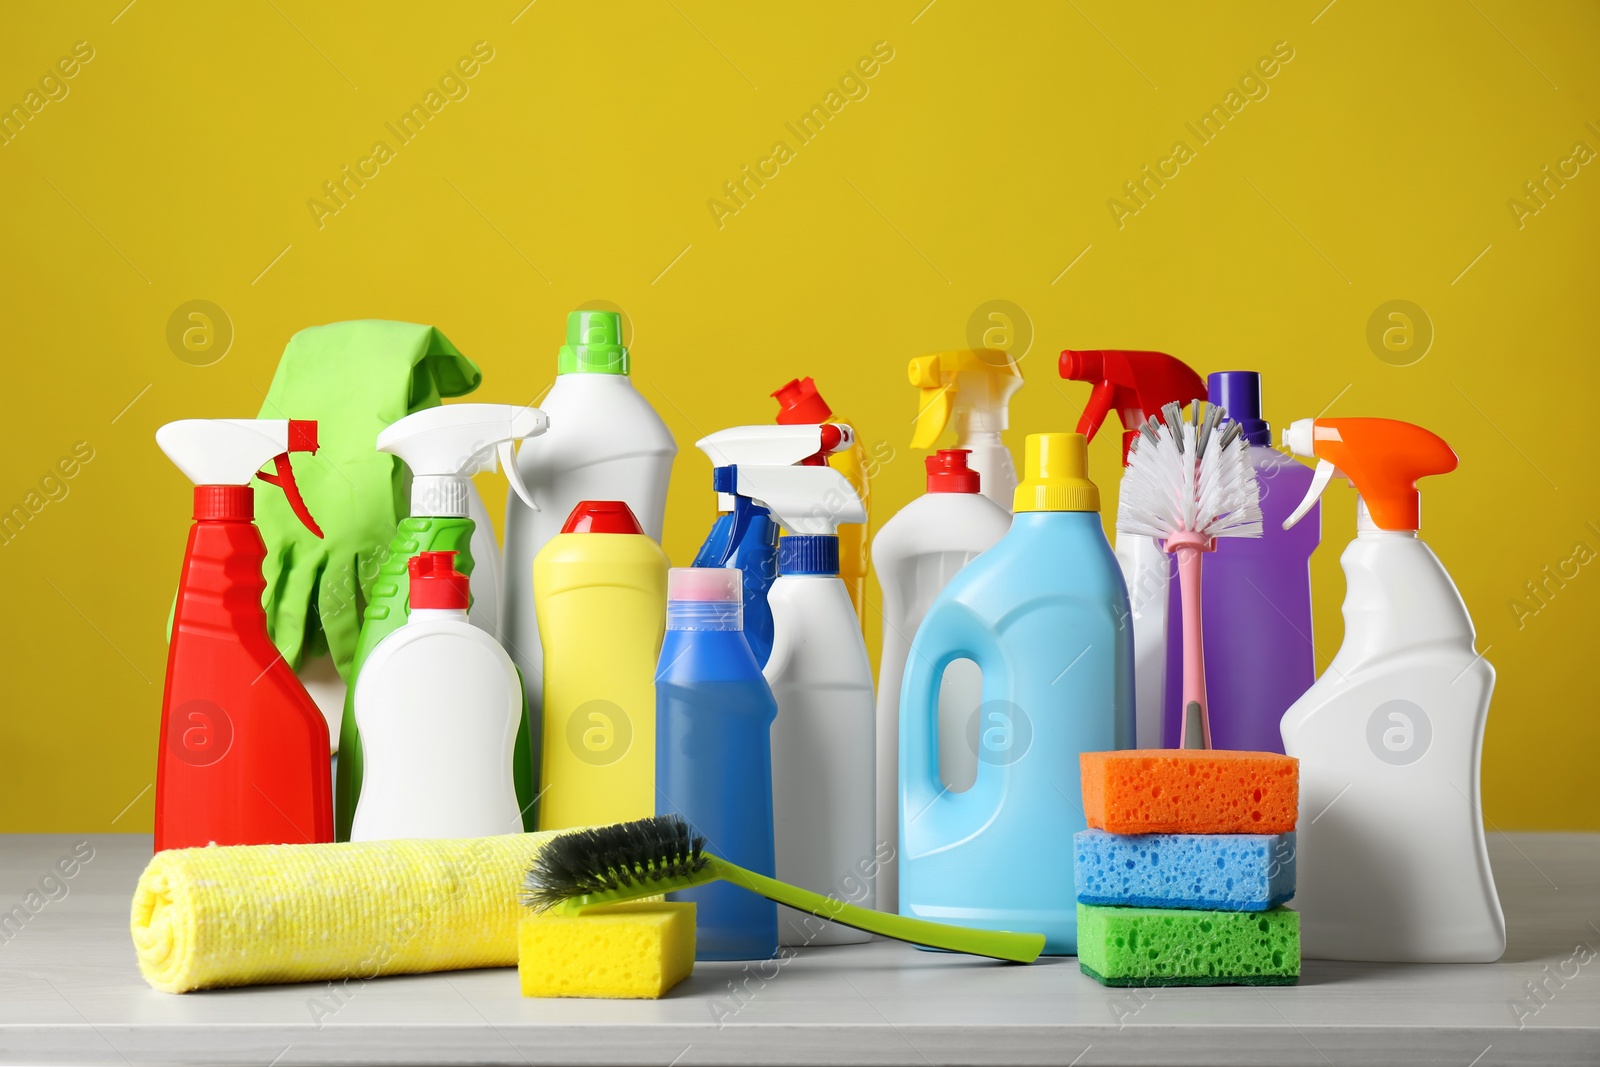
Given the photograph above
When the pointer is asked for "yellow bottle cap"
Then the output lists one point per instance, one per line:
(1056, 475)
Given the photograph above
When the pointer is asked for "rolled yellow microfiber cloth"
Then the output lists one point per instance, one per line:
(259, 914)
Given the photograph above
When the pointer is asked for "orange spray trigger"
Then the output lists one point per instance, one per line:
(1381, 458)
(284, 479)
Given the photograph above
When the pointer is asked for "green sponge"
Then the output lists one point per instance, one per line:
(1169, 946)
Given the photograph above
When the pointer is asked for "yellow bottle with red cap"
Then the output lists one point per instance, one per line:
(800, 403)
(600, 594)
(1391, 861)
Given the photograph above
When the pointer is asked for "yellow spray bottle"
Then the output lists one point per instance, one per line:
(974, 386)
(799, 403)
(600, 594)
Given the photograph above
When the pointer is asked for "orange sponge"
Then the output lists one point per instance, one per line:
(1190, 791)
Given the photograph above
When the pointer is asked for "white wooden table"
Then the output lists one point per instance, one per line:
(70, 993)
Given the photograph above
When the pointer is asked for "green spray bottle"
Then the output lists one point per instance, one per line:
(443, 447)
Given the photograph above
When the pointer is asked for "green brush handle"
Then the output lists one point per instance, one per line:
(996, 944)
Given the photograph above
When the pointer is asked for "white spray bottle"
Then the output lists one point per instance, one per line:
(1391, 863)
(822, 741)
(438, 703)
(973, 387)
(443, 447)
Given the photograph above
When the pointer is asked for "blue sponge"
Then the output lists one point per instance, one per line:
(1222, 872)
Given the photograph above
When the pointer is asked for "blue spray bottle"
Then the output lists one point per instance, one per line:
(1042, 615)
(714, 715)
(744, 535)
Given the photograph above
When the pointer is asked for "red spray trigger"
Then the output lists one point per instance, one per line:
(284, 479)
(1137, 384)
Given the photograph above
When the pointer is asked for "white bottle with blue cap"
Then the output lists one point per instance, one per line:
(823, 766)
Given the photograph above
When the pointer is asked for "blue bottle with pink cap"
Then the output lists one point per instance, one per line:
(714, 715)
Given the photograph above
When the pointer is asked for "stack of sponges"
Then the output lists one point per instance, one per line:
(1183, 874)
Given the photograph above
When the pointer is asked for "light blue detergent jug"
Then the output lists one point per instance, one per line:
(1044, 614)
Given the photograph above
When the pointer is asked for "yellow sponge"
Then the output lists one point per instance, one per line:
(636, 951)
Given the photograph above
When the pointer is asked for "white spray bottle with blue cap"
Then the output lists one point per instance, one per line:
(822, 742)
(745, 535)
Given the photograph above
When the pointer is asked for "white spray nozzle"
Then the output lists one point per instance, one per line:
(228, 451)
(772, 446)
(444, 446)
(1300, 437)
(803, 500)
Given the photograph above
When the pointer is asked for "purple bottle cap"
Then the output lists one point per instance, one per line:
(1238, 392)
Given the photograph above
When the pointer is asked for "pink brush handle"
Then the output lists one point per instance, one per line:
(1196, 729)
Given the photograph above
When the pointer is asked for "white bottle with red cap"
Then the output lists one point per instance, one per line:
(438, 703)
(1392, 864)
(915, 555)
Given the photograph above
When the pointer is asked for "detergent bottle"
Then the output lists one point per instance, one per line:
(1042, 615)
(244, 749)
(1256, 614)
(442, 447)
(744, 535)
(605, 443)
(439, 705)
(822, 762)
(1137, 385)
(915, 554)
(600, 589)
(1392, 864)
(714, 714)
(799, 403)
(974, 387)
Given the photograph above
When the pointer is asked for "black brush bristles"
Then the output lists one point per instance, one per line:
(642, 853)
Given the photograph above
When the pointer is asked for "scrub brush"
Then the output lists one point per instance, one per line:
(627, 861)
(1187, 484)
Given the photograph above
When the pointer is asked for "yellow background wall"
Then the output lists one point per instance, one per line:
(1379, 165)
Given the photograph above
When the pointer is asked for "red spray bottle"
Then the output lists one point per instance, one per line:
(244, 750)
(1136, 385)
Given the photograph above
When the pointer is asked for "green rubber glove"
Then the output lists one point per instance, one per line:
(354, 378)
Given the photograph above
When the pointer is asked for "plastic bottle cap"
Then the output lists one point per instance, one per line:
(1056, 477)
(435, 582)
(948, 471)
(594, 344)
(602, 516)
(813, 554)
(222, 503)
(706, 585)
(1238, 392)
(800, 403)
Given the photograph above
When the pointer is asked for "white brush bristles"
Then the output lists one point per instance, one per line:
(1184, 476)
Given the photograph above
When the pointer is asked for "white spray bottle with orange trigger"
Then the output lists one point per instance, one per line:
(1391, 860)
(974, 387)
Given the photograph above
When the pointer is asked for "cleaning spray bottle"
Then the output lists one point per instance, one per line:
(714, 714)
(974, 387)
(822, 762)
(799, 403)
(439, 705)
(916, 554)
(442, 447)
(1137, 385)
(1392, 865)
(1042, 615)
(1256, 614)
(600, 588)
(244, 749)
(744, 535)
(605, 443)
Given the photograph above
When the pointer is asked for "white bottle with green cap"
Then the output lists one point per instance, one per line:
(605, 442)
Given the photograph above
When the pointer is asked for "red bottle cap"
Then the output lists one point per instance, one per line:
(602, 516)
(948, 471)
(435, 582)
(799, 403)
(224, 502)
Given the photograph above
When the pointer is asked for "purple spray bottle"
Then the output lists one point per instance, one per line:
(1256, 614)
